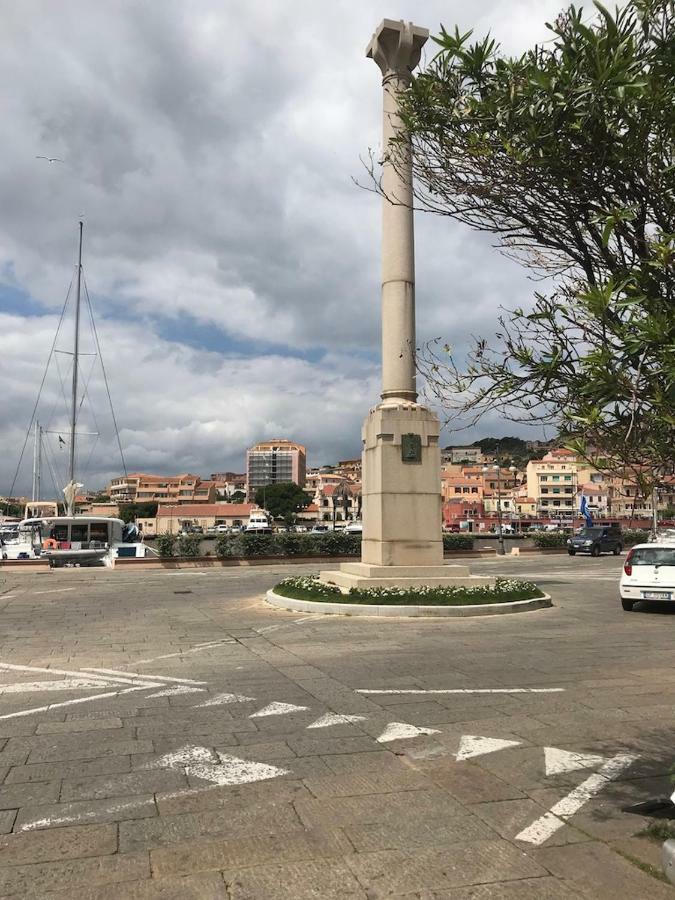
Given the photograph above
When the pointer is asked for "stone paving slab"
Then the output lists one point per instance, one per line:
(109, 815)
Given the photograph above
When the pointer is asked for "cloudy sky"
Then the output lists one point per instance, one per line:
(232, 263)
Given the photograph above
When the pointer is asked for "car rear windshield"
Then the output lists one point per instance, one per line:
(654, 556)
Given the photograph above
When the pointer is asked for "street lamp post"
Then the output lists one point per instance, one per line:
(498, 469)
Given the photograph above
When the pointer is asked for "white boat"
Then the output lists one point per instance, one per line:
(259, 522)
(74, 540)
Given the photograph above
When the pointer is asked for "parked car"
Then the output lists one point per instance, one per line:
(319, 529)
(648, 574)
(595, 540)
(222, 528)
(354, 528)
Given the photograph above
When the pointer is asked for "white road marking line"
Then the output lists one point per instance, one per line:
(398, 731)
(542, 829)
(335, 719)
(196, 649)
(558, 761)
(277, 709)
(64, 684)
(103, 681)
(472, 745)
(49, 707)
(80, 817)
(465, 691)
(15, 667)
(176, 690)
(222, 699)
(53, 591)
(133, 675)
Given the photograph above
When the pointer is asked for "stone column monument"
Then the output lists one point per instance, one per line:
(402, 540)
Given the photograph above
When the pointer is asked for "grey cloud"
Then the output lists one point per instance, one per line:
(212, 147)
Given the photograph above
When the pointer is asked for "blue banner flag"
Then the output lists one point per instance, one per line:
(585, 511)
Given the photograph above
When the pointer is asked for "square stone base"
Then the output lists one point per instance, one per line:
(364, 576)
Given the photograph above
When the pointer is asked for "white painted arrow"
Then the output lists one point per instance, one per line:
(399, 731)
(473, 745)
(218, 768)
(558, 761)
(335, 719)
(175, 691)
(222, 699)
(277, 709)
(233, 770)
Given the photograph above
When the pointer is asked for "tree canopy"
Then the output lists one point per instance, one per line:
(282, 500)
(566, 155)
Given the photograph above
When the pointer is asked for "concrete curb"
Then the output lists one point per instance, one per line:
(356, 609)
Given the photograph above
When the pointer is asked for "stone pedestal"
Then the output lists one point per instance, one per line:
(401, 487)
(402, 540)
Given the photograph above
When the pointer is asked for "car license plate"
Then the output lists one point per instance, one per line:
(657, 595)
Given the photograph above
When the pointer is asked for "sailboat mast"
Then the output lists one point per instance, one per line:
(34, 495)
(76, 355)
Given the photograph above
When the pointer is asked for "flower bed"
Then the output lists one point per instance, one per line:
(505, 590)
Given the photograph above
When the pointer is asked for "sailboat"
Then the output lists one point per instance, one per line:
(72, 539)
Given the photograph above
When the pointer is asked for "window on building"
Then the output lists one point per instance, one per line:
(458, 490)
(556, 477)
(556, 502)
(556, 490)
(474, 490)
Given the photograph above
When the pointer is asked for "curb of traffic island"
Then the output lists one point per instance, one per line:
(362, 609)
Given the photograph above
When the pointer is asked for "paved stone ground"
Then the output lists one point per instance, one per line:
(159, 783)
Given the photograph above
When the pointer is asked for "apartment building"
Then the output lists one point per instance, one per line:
(274, 462)
(552, 483)
(138, 487)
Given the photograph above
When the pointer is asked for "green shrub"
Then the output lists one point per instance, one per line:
(229, 545)
(188, 545)
(166, 544)
(457, 542)
(330, 543)
(258, 544)
(504, 590)
(632, 536)
(336, 543)
(548, 540)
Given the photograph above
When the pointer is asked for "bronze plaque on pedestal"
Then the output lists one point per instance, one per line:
(411, 448)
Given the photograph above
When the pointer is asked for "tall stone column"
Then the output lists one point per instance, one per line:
(396, 48)
(402, 542)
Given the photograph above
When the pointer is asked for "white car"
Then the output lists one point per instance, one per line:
(354, 528)
(648, 574)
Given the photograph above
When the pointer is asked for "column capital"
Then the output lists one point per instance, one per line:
(396, 47)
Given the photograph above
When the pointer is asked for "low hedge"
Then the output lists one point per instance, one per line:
(330, 543)
(549, 540)
(505, 590)
(633, 536)
(457, 541)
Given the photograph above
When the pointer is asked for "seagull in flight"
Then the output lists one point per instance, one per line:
(50, 159)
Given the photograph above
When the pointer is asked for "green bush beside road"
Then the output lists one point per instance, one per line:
(457, 542)
(549, 540)
(166, 544)
(330, 543)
